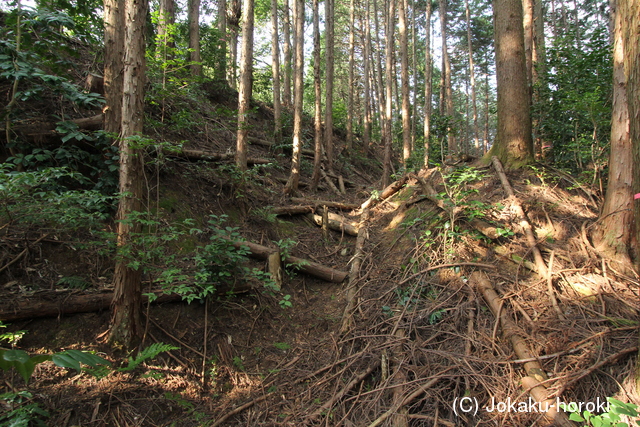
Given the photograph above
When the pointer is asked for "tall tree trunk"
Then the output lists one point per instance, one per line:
(447, 92)
(630, 20)
(404, 78)
(194, 37)
(287, 56)
(298, 89)
(529, 29)
(428, 87)
(472, 78)
(388, 119)
(233, 20)
(612, 237)
(126, 325)
(166, 20)
(275, 69)
(221, 67)
(245, 88)
(329, 77)
(538, 69)
(380, 85)
(513, 145)
(317, 85)
(113, 64)
(366, 137)
(352, 48)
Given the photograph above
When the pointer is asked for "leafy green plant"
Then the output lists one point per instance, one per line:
(281, 345)
(285, 302)
(11, 337)
(25, 364)
(147, 353)
(20, 411)
(611, 418)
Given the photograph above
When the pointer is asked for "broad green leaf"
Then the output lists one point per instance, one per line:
(66, 361)
(20, 356)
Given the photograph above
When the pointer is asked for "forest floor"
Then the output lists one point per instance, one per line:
(420, 345)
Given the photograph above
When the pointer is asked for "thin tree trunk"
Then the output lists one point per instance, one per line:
(245, 89)
(221, 68)
(447, 92)
(329, 77)
(275, 68)
(388, 124)
(472, 78)
(404, 77)
(350, 99)
(317, 84)
(233, 20)
(287, 56)
(366, 137)
(428, 87)
(194, 37)
(292, 184)
(380, 85)
(126, 326)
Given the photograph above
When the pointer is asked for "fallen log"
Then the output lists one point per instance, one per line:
(389, 191)
(63, 303)
(327, 203)
(309, 267)
(336, 223)
(293, 210)
(532, 367)
(354, 274)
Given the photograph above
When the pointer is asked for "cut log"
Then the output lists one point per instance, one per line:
(327, 203)
(336, 223)
(386, 193)
(309, 267)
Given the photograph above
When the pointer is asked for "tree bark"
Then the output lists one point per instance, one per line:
(275, 68)
(233, 20)
(287, 55)
(513, 144)
(246, 83)
(366, 135)
(113, 64)
(329, 78)
(404, 78)
(472, 79)
(446, 90)
(426, 130)
(317, 86)
(221, 68)
(126, 326)
(294, 178)
(194, 37)
(388, 118)
(612, 237)
(351, 83)
(166, 20)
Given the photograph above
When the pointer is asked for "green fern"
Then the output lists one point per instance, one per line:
(146, 354)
